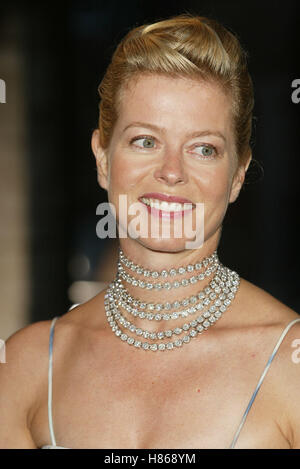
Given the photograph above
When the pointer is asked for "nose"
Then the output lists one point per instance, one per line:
(171, 171)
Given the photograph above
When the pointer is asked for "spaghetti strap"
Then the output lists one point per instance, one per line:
(53, 442)
(52, 436)
(290, 324)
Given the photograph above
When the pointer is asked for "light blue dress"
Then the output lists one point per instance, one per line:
(232, 445)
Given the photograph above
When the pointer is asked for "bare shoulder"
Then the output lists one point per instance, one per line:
(28, 335)
(26, 348)
(26, 359)
(21, 379)
(24, 376)
(280, 325)
(261, 307)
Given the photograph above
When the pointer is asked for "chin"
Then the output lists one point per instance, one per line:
(164, 245)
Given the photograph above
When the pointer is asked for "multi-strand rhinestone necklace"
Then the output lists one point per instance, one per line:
(211, 302)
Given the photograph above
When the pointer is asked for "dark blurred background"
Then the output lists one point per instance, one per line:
(52, 58)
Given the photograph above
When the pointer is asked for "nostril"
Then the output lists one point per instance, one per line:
(170, 174)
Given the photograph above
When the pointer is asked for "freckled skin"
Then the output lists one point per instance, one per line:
(179, 107)
(109, 395)
(219, 360)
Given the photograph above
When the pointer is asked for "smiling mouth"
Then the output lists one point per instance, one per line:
(168, 209)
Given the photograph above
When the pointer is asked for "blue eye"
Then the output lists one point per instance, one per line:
(207, 152)
(145, 142)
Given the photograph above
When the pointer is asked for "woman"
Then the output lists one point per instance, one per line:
(139, 365)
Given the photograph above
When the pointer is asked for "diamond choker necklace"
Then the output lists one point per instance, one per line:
(215, 298)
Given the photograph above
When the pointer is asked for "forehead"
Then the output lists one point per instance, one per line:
(181, 103)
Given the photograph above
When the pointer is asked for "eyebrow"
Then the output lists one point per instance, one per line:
(202, 133)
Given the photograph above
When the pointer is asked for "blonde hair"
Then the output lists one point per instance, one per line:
(183, 46)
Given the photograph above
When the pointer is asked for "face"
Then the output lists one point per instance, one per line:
(173, 137)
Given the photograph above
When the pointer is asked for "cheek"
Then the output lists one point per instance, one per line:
(215, 192)
(215, 184)
(125, 174)
(117, 171)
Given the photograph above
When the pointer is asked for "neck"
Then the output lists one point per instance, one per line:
(158, 261)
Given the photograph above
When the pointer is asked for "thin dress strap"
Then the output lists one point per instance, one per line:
(261, 380)
(53, 442)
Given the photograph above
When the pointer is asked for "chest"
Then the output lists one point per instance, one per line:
(123, 402)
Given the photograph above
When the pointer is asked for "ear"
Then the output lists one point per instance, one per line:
(239, 178)
(101, 159)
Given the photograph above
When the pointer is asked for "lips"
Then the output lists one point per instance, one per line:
(162, 205)
(167, 198)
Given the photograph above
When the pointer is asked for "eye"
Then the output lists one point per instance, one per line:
(144, 141)
(207, 151)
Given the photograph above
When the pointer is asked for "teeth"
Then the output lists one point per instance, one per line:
(163, 205)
